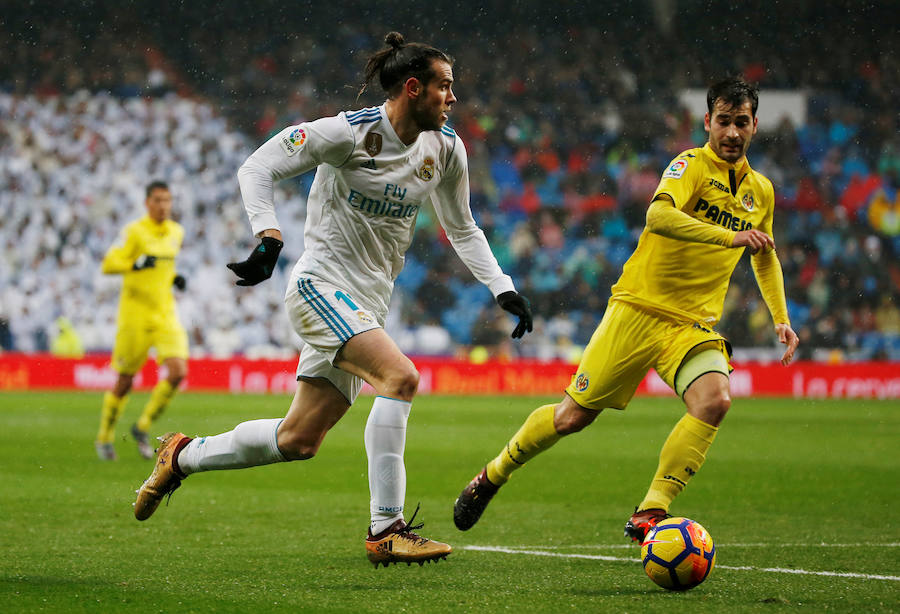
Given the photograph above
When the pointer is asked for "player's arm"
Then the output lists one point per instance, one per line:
(293, 151)
(451, 205)
(664, 218)
(123, 255)
(770, 278)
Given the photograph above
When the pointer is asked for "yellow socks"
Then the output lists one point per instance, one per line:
(159, 398)
(535, 436)
(681, 457)
(109, 415)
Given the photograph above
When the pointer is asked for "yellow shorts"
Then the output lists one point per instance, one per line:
(134, 340)
(628, 342)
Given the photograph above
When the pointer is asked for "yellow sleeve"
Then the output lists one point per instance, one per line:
(663, 218)
(767, 269)
(121, 256)
(770, 279)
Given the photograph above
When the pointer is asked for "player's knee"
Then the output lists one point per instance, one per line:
(714, 407)
(177, 372)
(403, 384)
(572, 420)
(298, 446)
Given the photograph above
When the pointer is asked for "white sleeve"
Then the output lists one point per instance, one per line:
(293, 151)
(451, 204)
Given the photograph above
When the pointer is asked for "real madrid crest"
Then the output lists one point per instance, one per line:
(426, 171)
(373, 144)
(747, 201)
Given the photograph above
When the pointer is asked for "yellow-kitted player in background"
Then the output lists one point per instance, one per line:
(145, 257)
(709, 206)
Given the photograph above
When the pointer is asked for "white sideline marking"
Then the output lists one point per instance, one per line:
(738, 545)
(602, 557)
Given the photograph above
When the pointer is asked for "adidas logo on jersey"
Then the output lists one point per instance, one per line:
(370, 163)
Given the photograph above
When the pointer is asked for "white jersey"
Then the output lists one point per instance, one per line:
(367, 191)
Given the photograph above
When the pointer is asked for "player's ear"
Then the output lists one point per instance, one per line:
(755, 123)
(706, 121)
(412, 87)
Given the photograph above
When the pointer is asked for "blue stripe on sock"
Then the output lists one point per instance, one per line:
(317, 308)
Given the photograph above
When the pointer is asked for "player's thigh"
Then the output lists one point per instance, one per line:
(375, 357)
(133, 341)
(615, 361)
(677, 365)
(170, 340)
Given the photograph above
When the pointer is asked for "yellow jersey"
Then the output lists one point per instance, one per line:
(147, 293)
(687, 279)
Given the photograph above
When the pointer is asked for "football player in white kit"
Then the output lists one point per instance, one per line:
(375, 168)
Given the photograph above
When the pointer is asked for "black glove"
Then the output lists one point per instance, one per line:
(517, 305)
(260, 264)
(180, 282)
(144, 262)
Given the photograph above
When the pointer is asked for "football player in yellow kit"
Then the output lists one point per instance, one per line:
(709, 206)
(145, 257)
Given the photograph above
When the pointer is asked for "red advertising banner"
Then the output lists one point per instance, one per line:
(875, 380)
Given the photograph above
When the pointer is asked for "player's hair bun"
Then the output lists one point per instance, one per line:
(394, 39)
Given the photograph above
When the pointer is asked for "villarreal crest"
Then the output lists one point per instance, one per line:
(747, 201)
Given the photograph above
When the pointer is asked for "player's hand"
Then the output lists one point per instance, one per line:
(180, 282)
(788, 337)
(260, 264)
(519, 306)
(753, 239)
(144, 262)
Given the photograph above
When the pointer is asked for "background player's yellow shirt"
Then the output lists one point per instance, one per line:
(686, 279)
(146, 294)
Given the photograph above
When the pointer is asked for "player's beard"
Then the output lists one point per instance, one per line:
(730, 156)
(426, 116)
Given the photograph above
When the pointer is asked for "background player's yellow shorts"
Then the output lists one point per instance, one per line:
(628, 342)
(134, 340)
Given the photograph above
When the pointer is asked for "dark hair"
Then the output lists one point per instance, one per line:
(399, 61)
(733, 91)
(156, 185)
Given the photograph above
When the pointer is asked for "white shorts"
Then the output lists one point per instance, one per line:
(325, 317)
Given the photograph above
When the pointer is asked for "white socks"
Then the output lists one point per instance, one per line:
(248, 445)
(385, 440)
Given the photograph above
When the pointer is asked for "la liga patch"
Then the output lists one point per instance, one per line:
(292, 143)
(676, 170)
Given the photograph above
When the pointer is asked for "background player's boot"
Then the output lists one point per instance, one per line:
(398, 544)
(165, 477)
(642, 521)
(105, 451)
(143, 442)
(472, 500)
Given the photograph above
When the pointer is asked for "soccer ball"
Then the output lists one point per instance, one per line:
(678, 554)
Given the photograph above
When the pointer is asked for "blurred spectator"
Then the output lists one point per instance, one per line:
(66, 343)
(567, 139)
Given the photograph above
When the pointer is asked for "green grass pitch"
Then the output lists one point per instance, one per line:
(791, 491)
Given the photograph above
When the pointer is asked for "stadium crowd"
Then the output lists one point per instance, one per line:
(567, 137)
